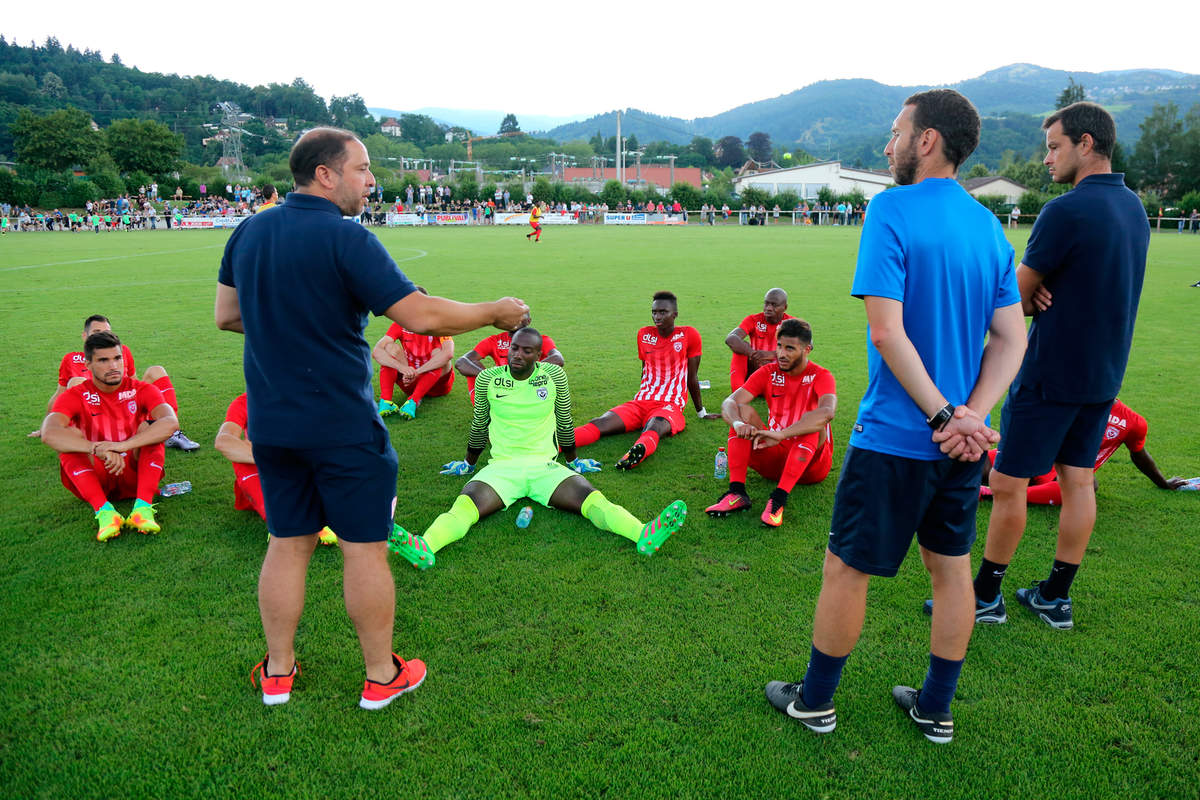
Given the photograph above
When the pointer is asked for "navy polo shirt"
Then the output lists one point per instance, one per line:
(1090, 247)
(305, 279)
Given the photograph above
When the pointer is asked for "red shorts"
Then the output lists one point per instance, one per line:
(116, 487)
(636, 413)
(247, 491)
(769, 462)
(534, 225)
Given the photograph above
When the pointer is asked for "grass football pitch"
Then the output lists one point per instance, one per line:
(562, 663)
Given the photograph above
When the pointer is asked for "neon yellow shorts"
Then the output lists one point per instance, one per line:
(514, 478)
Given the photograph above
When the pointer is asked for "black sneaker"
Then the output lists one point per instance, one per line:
(633, 457)
(1055, 613)
(993, 613)
(938, 727)
(789, 698)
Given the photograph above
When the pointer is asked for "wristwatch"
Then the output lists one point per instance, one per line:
(939, 420)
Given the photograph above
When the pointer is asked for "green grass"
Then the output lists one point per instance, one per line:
(563, 664)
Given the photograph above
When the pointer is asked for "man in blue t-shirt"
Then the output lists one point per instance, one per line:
(936, 275)
(304, 275)
(1082, 271)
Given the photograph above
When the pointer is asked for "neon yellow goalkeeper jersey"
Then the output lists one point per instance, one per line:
(522, 418)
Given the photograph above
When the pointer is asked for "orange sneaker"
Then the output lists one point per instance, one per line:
(410, 674)
(772, 515)
(276, 689)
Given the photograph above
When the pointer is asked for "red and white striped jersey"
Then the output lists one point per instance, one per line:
(790, 397)
(108, 416)
(664, 363)
(417, 347)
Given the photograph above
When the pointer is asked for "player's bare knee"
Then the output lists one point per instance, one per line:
(154, 373)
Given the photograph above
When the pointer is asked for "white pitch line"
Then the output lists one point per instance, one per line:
(110, 258)
(107, 286)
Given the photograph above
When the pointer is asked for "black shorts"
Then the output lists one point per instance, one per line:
(352, 489)
(882, 500)
(1037, 434)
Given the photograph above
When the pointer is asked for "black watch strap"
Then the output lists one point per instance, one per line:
(939, 420)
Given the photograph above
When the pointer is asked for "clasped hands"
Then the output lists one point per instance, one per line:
(111, 455)
(966, 437)
(760, 438)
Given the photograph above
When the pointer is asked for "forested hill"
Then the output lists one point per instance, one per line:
(49, 77)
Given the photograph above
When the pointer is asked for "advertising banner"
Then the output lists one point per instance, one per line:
(624, 218)
(209, 222)
(512, 218)
(448, 218)
(394, 219)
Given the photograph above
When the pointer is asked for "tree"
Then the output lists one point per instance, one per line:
(980, 170)
(57, 141)
(542, 191)
(613, 193)
(703, 148)
(351, 113)
(1073, 93)
(1157, 157)
(143, 145)
(687, 195)
(729, 152)
(509, 124)
(755, 197)
(53, 86)
(759, 146)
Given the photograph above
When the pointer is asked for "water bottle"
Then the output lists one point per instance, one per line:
(172, 489)
(1193, 485)
(721, 464)
(524, 517)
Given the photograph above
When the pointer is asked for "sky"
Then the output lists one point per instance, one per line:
(575, 59)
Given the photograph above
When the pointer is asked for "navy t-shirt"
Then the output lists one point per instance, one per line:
(934, 248)
(1090, 247)
(305, 279)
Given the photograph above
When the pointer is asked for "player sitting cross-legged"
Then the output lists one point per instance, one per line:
(795, 445)
(109, 433)
(670, 358)
(234, 443)
(524, 408)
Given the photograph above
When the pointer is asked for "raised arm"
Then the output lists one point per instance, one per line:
(438, 316)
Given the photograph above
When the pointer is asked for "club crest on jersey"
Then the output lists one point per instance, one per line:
(1111, 433)
(542, 393)
(777, 379)
(92, 398)
(132, 407)
(678, 347)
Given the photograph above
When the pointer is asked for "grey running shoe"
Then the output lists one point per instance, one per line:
(180, 440)
(1055, 613)
(938, 727)
(993, 613)
(789, 699)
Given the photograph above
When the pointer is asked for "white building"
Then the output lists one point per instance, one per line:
(390, 127)
(994, 185)
(808, 179)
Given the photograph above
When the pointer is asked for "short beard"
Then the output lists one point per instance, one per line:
(905, 169)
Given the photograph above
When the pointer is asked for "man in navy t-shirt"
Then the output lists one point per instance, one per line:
(1081, 279)
(936, 275)
(299, 282)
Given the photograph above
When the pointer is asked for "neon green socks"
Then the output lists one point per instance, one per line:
(453, 525)
(608, 516)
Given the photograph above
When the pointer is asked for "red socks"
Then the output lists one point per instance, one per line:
(738, 451)
(387, 382)
(586, 434)
(149, 470)
(650, 440)
(80, 470)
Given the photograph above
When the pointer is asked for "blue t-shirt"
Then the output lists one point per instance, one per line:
(934, 248)
(1090, 247)
(305, 279)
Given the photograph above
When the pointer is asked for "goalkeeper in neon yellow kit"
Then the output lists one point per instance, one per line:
(524, 408)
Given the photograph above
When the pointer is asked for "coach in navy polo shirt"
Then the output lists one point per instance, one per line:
(1081, 279)
(299, 280)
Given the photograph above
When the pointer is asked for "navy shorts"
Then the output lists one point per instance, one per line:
(352, 489)
(882, 500)
(1036, 434)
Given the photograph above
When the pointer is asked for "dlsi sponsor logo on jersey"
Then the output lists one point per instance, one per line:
(777, 379)
(649, 338)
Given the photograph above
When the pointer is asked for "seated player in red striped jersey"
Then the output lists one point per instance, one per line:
(1125, 427)
(760, 330)
(72, 370)
(420, 363)
(795, 446)
(109, 432)
(497, 346)
(234, 443)
(670, 358)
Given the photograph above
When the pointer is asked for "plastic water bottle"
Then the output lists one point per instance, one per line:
(1193, 485)
(721, 464)
(524, 517)
(172, 489)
